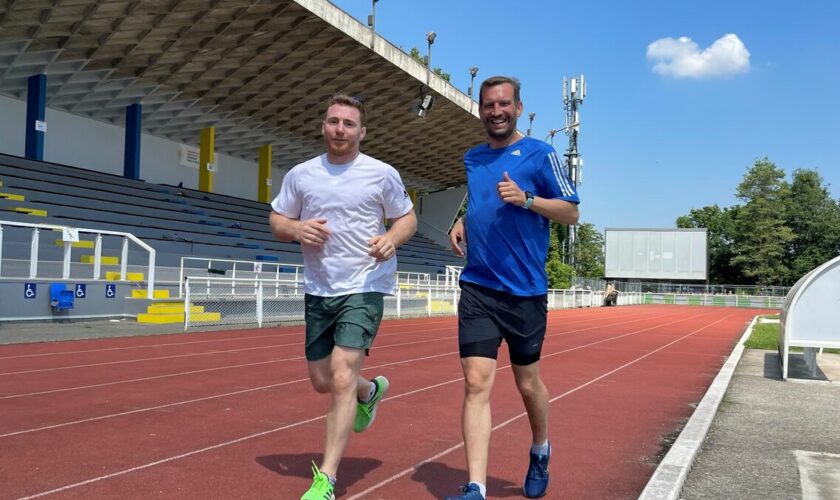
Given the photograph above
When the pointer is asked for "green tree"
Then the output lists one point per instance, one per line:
(762, 237)
(814, 218)
(589, 252)
(414, 53)
(559, 274)
(720, 225)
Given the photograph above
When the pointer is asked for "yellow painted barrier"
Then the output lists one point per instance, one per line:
(78, 244)
(105, 260)
(142, 294)
(115, 276)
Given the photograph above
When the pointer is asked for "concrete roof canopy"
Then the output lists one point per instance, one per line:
(260, 72)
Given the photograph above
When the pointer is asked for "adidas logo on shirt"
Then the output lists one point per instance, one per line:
(516, 152)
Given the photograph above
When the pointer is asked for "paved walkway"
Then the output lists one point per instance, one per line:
(20, 332)
(773, 439)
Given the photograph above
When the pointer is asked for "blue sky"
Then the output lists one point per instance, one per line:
(655, 143)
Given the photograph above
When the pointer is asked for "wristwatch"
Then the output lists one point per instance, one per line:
(529, 200)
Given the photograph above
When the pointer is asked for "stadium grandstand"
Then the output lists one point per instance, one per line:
(136, 134)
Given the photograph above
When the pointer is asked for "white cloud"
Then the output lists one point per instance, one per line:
(682, 57)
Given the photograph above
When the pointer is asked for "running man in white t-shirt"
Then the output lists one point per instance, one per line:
(335, 205)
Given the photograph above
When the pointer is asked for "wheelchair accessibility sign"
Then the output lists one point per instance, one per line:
(110, 291)
(81, 291)
(30, 290)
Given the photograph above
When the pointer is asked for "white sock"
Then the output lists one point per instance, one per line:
(372, 391)
(481, 488)
(332, 479)
(540, 449)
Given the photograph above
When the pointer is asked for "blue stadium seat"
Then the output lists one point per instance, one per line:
(61, 298)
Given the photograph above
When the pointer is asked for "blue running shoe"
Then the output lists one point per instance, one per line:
(469, 491)
(536, 482)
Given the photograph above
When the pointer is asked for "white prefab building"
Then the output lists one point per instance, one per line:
(658, 254)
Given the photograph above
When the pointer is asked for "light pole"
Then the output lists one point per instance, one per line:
(430, 37)
(531, 117)
(372, 16)
(551, 135)
(372, 22)
(473, 72)
(554, 131)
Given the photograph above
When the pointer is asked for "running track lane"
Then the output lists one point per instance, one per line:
(619, 388)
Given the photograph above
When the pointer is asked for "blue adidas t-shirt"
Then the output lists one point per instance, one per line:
(507, 245)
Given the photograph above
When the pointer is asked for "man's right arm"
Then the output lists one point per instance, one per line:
(308, 232)
(457, 235)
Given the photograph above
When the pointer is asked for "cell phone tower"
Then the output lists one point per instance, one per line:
(574, 91)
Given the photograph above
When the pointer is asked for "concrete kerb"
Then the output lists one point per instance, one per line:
(670, 476)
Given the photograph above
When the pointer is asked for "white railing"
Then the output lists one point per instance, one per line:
(236, 270)
(410, 278)
(71, 235)
(229, 301)
(706, 299)
(452, 275)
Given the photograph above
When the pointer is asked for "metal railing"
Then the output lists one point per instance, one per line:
(236, 270)
(216, 301)
(721, 300)
(71, 235)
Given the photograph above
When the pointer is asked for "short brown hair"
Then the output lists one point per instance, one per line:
(500, 80)
(352, 101)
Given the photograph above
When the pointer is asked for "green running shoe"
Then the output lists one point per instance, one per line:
(366, 412)
(321, 488)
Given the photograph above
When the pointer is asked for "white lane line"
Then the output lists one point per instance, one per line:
(207, 398)
(186, 355)
(105, 384)
(416, 466)
(423, 389)
(192, 372)
(146, 346)
(384, 330)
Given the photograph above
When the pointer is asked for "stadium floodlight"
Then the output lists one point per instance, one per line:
(372, 16)
(531, 117)
(473, 72)
(430, 38)
(426, 103)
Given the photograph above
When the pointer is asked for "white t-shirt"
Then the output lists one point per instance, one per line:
(355, 198)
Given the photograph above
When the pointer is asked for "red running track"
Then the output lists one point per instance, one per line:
(231, 414)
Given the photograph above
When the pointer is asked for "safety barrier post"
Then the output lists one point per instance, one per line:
(260, 304)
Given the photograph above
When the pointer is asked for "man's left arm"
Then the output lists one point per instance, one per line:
(559, 211)
(384, 246)
(554, 209)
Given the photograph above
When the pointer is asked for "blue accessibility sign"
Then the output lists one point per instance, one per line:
(81, 291)
(110, 291)
(30, 290)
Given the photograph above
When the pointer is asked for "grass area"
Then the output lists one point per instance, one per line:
(766, 336)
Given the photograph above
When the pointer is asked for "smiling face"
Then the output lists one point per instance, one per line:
(499, 111)
(343, 132)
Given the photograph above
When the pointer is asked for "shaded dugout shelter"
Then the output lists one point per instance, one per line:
(257, 72)
(810, 317)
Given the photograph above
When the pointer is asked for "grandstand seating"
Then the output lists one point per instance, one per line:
(175, 221)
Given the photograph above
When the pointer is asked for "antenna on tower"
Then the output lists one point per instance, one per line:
(574, 91)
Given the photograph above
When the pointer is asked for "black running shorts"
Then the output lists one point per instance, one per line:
(487, 316)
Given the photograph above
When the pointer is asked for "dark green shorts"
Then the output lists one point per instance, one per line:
(347, 320)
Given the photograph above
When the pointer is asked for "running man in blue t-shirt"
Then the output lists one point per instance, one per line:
(516, 188)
